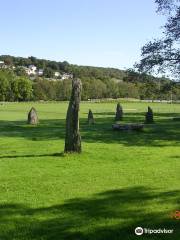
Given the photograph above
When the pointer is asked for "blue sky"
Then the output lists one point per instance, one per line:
(106, 33)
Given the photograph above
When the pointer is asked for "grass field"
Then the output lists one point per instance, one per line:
(121, 180)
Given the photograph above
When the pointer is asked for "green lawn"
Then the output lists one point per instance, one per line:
(121, 180)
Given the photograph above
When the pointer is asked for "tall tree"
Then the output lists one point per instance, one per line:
(22, 89)
(73, 138)
(164, 54)
(4, 86)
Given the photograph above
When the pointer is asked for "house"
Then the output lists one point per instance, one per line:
(66, 76)
(31, 70)
(2, 64)
(40, 72)
(57, 74)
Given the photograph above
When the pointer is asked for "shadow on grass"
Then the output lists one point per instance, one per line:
(33, 155)
(112, 114)
(110, 215)
(164, 130)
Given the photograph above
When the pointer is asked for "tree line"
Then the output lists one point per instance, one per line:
(97, 82)
(133, 85)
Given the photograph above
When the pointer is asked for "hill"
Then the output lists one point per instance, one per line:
(50, 67)
(51, 80)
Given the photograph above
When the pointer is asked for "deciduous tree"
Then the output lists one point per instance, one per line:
(164, 54)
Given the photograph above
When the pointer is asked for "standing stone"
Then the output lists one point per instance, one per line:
(32, 117)
(73, 138)
(149, 116)
(90, 117)
(119, 113)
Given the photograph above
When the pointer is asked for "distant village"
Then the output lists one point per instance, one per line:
(32, 71)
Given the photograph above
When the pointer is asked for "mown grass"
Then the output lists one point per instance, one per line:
(121, 180)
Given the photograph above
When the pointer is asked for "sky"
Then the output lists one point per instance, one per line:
(107, 33)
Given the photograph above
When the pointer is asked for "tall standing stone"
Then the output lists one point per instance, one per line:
(119, 113)
(90, 117)
(73, 138)
(32, 117)
(149, 118)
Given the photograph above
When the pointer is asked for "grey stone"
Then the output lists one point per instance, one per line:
(149, 117)
(33, 117)
(73, 138)
(90, 117)
(119, 113)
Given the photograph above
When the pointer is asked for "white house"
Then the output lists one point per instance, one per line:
(40, 72)
(31, 70)
(2, 64)
(66, 76)
(57, 74)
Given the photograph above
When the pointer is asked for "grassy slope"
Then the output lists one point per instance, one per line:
(120, 181)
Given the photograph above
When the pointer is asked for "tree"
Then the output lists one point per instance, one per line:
(163, 54)
(22, 89)
(4, 86)
(39, 90)
(73, 138)
(6, 78)
(20, 71)
(66, 89)
(8, 60)
(48, 72)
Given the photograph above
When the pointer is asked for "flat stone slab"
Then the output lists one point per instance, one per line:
(128, 126)
(176, 118)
